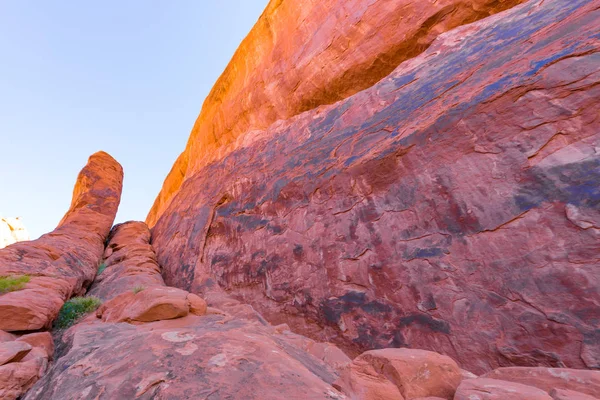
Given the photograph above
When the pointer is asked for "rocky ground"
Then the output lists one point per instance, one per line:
(379, 201)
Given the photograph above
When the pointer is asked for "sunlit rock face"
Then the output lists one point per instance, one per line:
(450, 203)
(12, 230)
(303, 54)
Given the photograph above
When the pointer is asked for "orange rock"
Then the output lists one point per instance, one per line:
(41, 340)
(197, 304)
(151, 304)
(13, 352)
(492, 389)
(360, 381)
(303, 54)
(578, 380)
(64, 262)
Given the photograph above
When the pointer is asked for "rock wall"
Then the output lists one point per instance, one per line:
(303, 54)
(148, 346)
(12, 231)
(62, 263)
(451, 206)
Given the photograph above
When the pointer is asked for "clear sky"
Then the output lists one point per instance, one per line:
(127, 77)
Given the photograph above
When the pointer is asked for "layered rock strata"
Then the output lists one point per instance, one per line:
(452, 206)
(62, 263)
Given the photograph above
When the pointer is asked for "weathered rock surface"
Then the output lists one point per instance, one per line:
(547, 379)
(303, 54)
(12, 231)
(452, 206)
(186, 358)
(562, 394)
(13, 351)
(151, 304)
(129, 262)
(413, 373)
(492, 389)
(63, 262)
(41, 340)
(131, 284)
(17, 378)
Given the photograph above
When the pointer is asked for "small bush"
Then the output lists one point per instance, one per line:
(138, 289)
(13, 283)
(101, 268)
(76, 308)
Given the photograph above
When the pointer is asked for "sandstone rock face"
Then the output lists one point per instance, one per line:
(547, 379)
(186, 358)
(21, 364)
(303, 54)
(129, 262)
(413, 374)
(491, 389)
(452, 206)
(13, 351)
(12, 231)
(63, 262)
(561, 394)
(41, 340)
(151, 344)
(151, 304)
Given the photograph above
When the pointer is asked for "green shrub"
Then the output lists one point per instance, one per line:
(13, 283)
(101, 268)
(138, 289)
(76, 308)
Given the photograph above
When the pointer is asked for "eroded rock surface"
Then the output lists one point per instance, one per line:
(158, 342)
(62, 263)
(583, 381)
(303, 54)
(186, 358)
(450, 207)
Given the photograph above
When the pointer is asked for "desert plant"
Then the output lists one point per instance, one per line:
(76, 308)
(101, 268)
(13, 283)
(138, 289)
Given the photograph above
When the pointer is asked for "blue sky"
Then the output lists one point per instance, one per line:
(126, 77)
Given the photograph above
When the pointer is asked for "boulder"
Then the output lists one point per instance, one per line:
(17, 377)
(448, 206)
(493, 389)
(416, 373)
(61, 264)
(584, 381)
(360, 381)
(42, 340)
(150, 304)
(13, 351)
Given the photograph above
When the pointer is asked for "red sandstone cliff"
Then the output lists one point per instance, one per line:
(303, 54)
(62, 263)
(448, 202)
